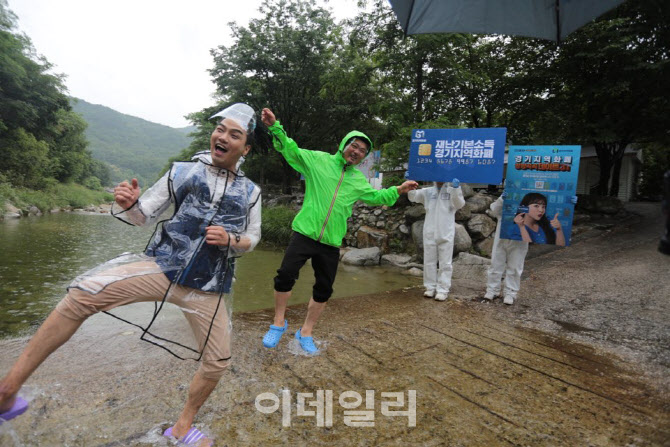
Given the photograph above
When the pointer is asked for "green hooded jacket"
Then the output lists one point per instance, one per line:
(331, 187)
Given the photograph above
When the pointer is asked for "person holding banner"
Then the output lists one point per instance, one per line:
(441, 202)
(508, 256)
(333, 185)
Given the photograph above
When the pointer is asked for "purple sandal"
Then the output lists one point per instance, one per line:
(20, 406)
(191, 438)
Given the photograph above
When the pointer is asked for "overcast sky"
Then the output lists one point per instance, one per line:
(146, 58)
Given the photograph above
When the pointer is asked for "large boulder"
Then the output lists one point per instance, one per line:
(396, 260)
(480, 226)
(462, 240)
(415, 212)
(485, 246)
(479, 203)
(362, 256)
(471, 267)
(467, 191)
(464, 213)
(372, 237)
(417, 236)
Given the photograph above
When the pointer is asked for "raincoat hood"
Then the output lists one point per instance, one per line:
(349, 136)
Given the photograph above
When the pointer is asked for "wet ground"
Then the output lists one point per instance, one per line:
(580, 359)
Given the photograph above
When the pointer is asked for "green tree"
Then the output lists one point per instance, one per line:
(612, 84)
(279, 61)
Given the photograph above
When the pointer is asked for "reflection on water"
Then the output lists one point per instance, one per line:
(39, 256)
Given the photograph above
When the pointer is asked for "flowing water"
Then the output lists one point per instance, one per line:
(39, 256)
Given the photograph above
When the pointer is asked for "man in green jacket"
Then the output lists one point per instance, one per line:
(332, 186)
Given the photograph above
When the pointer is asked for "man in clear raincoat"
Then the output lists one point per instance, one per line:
(189, 262)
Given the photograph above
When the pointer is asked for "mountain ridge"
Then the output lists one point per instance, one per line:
(132, 146)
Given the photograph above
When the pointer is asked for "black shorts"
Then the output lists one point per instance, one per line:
(324, 261)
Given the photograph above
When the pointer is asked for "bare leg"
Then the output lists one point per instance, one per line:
(281, 300)
(198, 393)
(55, 331)
(314, 310)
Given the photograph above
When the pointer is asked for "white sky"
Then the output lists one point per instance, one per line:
(146, 58)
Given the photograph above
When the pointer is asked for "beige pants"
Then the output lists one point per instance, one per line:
(143, 281)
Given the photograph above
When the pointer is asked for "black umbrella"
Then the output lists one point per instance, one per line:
(545, 19)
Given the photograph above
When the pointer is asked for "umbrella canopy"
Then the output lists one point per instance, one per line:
(545, 19)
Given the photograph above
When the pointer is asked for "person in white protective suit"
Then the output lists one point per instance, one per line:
(507, 257)
(441, 202)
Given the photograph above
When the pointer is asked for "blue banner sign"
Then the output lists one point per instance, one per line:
(540, 183)
(470, 155)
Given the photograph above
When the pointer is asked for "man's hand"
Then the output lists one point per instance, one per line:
(126, 194)
(268, 117)
(215, 235)
(409, 185)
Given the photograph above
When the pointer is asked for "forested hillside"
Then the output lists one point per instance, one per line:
(132, 146)
(45, 160)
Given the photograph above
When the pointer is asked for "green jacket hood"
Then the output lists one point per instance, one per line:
(354, 134)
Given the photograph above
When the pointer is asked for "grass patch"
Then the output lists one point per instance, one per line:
(59, 195)
(276, 225)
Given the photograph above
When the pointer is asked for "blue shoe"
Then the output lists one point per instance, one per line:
(273, 335)
(306, 343)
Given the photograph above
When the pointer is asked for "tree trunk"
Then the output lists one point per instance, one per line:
(616, 175)
(603, 150)
(609, 156)
(419, 86)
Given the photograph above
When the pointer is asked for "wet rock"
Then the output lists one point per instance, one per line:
(467, 190)
(479, 203)
(415, 212)
(471, 267)
(397, 260)
(372, 237)
(9, 208)
(362, 256)
(415, 271)
(480, 226)
(485, 247)
(403, 229)
(462, 240)
(34, 211)
(417, 235)
(464, 213)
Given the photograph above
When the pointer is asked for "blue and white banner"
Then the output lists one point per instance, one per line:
(470, 155)
(540, 183)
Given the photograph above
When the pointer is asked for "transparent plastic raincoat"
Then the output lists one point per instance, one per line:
(200, 276)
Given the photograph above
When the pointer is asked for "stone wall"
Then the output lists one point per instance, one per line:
(399, 229)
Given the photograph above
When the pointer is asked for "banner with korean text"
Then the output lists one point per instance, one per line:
(470, 155)
(540, 183)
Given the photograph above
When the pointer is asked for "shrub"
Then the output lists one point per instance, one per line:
(276, 225)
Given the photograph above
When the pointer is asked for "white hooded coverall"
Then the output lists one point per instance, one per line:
(507, 257)
(438, 233)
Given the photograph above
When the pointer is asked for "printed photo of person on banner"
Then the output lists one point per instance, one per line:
(541, 185)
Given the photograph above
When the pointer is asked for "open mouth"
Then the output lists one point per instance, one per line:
(220, 150)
